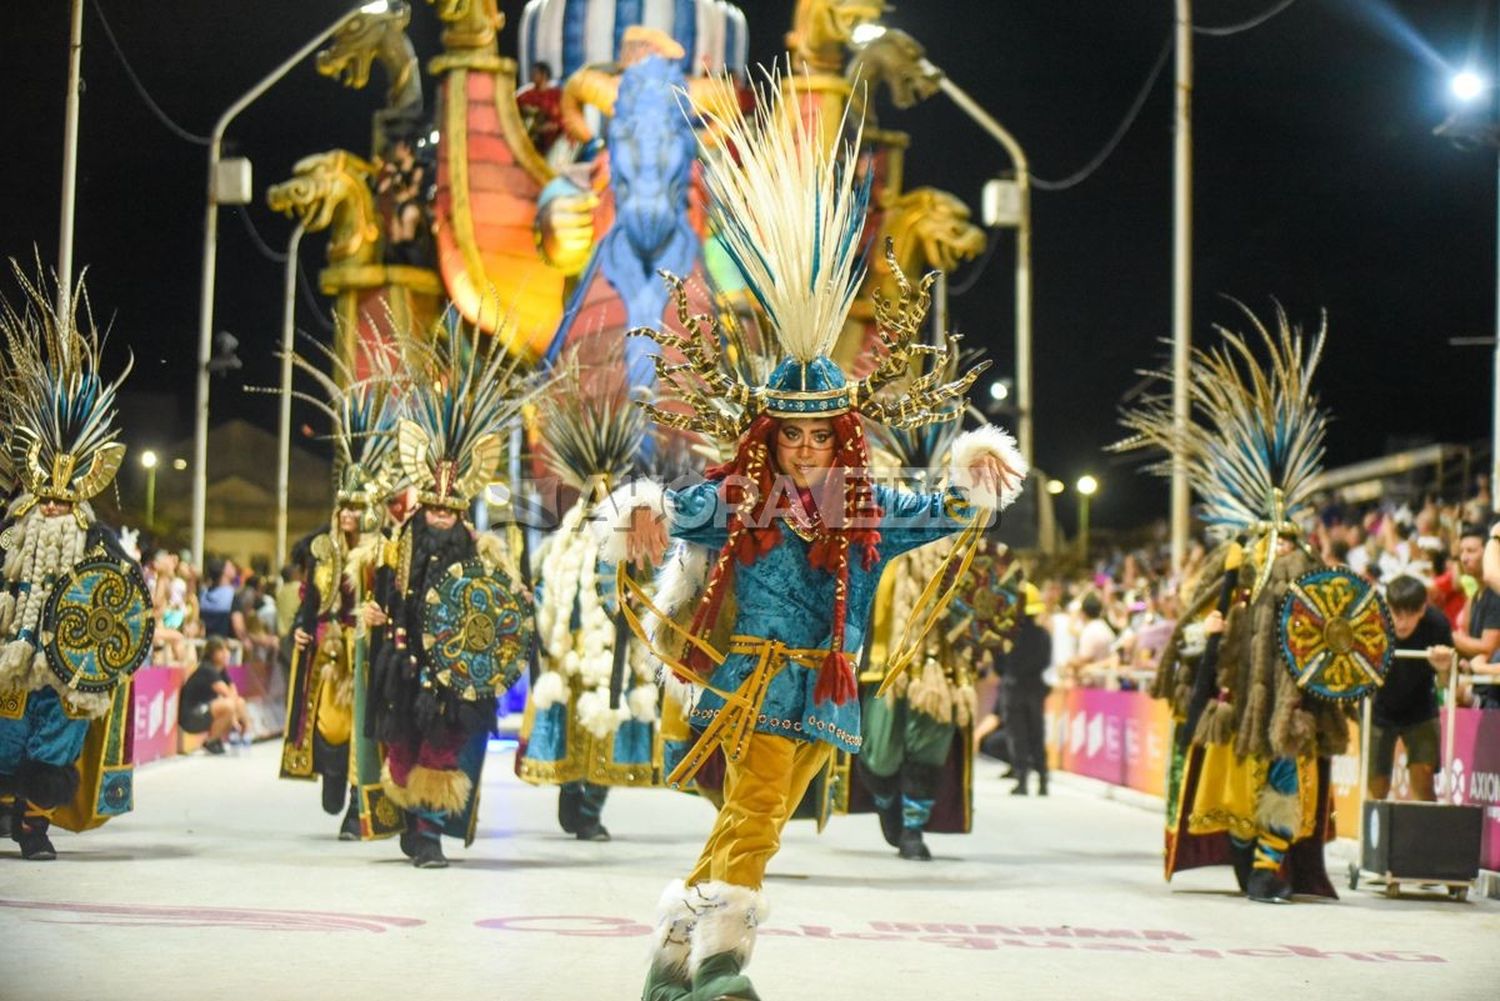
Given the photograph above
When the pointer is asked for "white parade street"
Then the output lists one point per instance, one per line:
(226, 881)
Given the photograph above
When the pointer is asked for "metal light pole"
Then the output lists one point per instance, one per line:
(1017, 156)
(1182, 270)
(284, 442)
(210, 260)
(70, 161)
(148, 460)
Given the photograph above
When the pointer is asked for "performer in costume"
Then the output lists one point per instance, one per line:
(329, 676)
(1249, 781)
(591, 721)
(917, 748)
(453, 618)
(801, 533)
(64, 667)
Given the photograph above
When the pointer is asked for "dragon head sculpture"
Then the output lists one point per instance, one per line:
(356, 45)
(931, 229)
(332, 191)
(822, 30)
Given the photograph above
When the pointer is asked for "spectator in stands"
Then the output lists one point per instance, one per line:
(1095, 658)
(216, 606)
(1405, 707)
(248, 622)
(210, 704)
(1484, 661)
(288, 598)
(1480, 636)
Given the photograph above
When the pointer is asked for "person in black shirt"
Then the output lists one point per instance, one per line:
(1023, 692)
(1405, 707)
(209, 702)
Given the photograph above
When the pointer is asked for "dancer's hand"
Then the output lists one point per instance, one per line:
(992, 474)
(301, 638)
(373, 615)
(646, 543)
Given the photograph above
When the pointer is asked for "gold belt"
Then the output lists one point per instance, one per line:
(736, 721)
(741, 706)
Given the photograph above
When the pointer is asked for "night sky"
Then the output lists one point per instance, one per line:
(1318, 181)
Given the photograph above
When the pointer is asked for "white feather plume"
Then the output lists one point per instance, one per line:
(789, 210)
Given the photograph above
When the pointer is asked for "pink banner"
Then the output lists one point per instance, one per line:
(154, 692)
(1121, 738)
(1475, 772)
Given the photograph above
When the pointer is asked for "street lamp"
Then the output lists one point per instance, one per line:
(1056, 487)
(1467, 85)
(229, 184)
(1465, 128)
(1086, 486)
(148, 462)
(1006, 202)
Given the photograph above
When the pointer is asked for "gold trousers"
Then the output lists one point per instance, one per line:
(761, 789)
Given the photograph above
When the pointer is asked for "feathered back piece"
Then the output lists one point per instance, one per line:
(364, 414)
(59, 410)
(924, 447)
(789, 211)
(589, 435)
(1255, 439)
(451, 436)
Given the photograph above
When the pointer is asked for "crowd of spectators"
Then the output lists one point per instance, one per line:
(227, 616)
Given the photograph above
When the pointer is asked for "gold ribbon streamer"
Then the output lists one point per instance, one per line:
(964, 549)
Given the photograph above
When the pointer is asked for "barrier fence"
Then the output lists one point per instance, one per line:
(1123, 738)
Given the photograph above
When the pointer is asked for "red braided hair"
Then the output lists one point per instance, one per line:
(748, 486)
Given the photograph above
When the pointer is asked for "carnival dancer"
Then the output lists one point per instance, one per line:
(799, 531)
(591, 720)
(328, 684)
(453, 620)
(1249, 781)
(916, 746)
(64, 667)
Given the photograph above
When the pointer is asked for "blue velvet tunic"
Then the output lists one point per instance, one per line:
(782, 597)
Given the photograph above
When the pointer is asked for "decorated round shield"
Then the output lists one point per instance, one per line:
(477, 630)
(1336, 634)
(98, 623)
(988, 600)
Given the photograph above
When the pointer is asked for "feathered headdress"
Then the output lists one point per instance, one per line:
(1254, 442)
(363, 413)
(925, 447)
(589, 435)
(63, 443)
(789, 210)
(450, 438)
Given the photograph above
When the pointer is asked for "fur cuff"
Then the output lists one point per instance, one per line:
(360, 563)
(549, 691)
(727, 918)
(489, 547)
(972, 446)
(15, 664)
(682, 579)
(446, 790)
(672, 940)
(1278, 812)
(613, 514)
